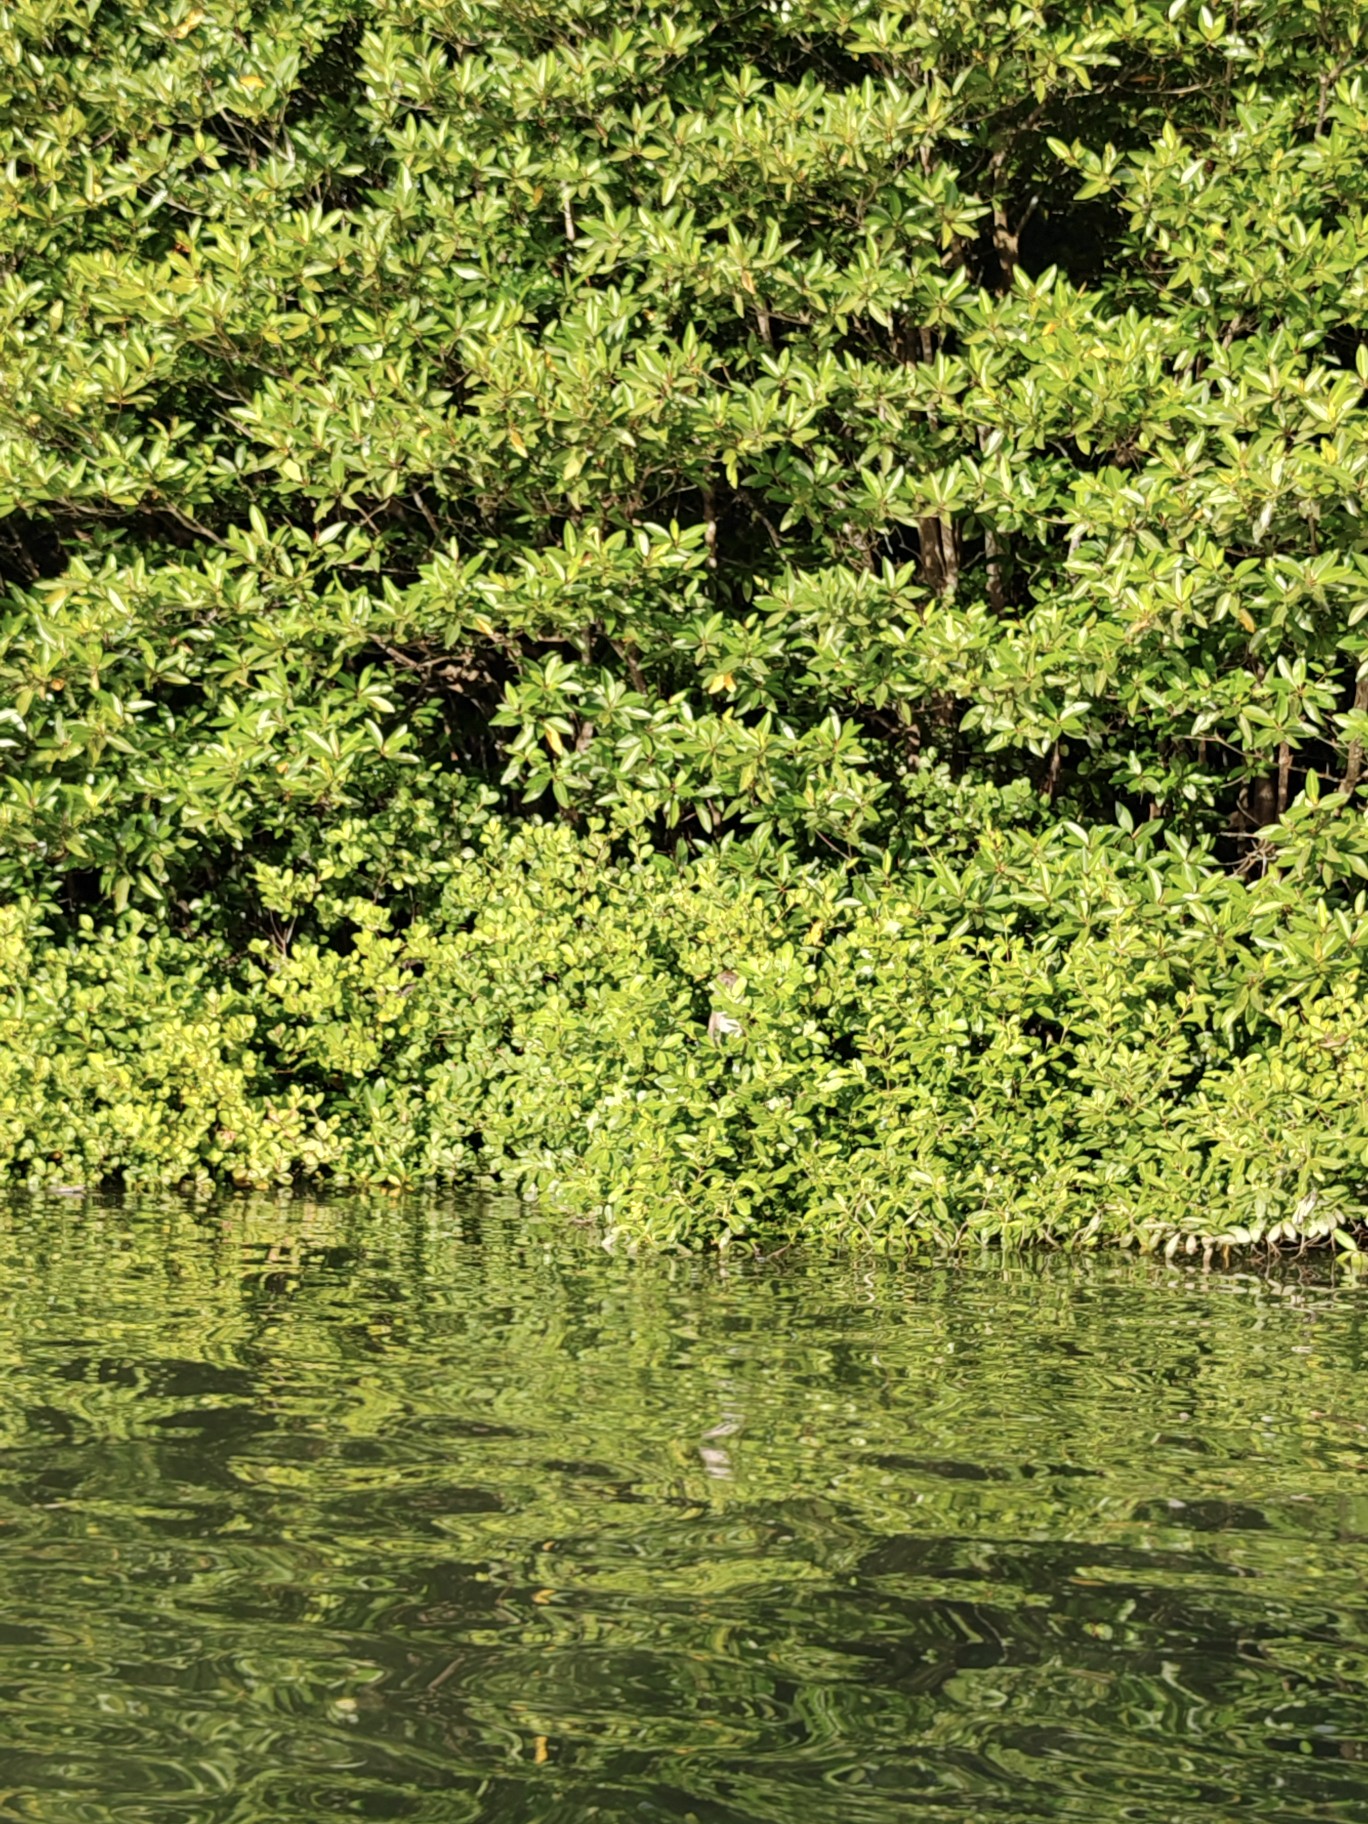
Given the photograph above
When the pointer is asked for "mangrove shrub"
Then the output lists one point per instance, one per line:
(512, 515)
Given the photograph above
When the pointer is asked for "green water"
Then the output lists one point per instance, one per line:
(312, 1514)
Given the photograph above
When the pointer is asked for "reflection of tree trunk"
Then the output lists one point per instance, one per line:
(1353, 768)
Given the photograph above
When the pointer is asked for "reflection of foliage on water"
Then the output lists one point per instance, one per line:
(396, 1511)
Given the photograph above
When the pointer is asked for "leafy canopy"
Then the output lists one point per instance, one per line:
(844, 431)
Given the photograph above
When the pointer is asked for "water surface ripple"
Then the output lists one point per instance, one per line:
(313, 1513)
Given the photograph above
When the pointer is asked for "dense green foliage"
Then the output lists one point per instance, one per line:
(1094, 1036)
(513, 511)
